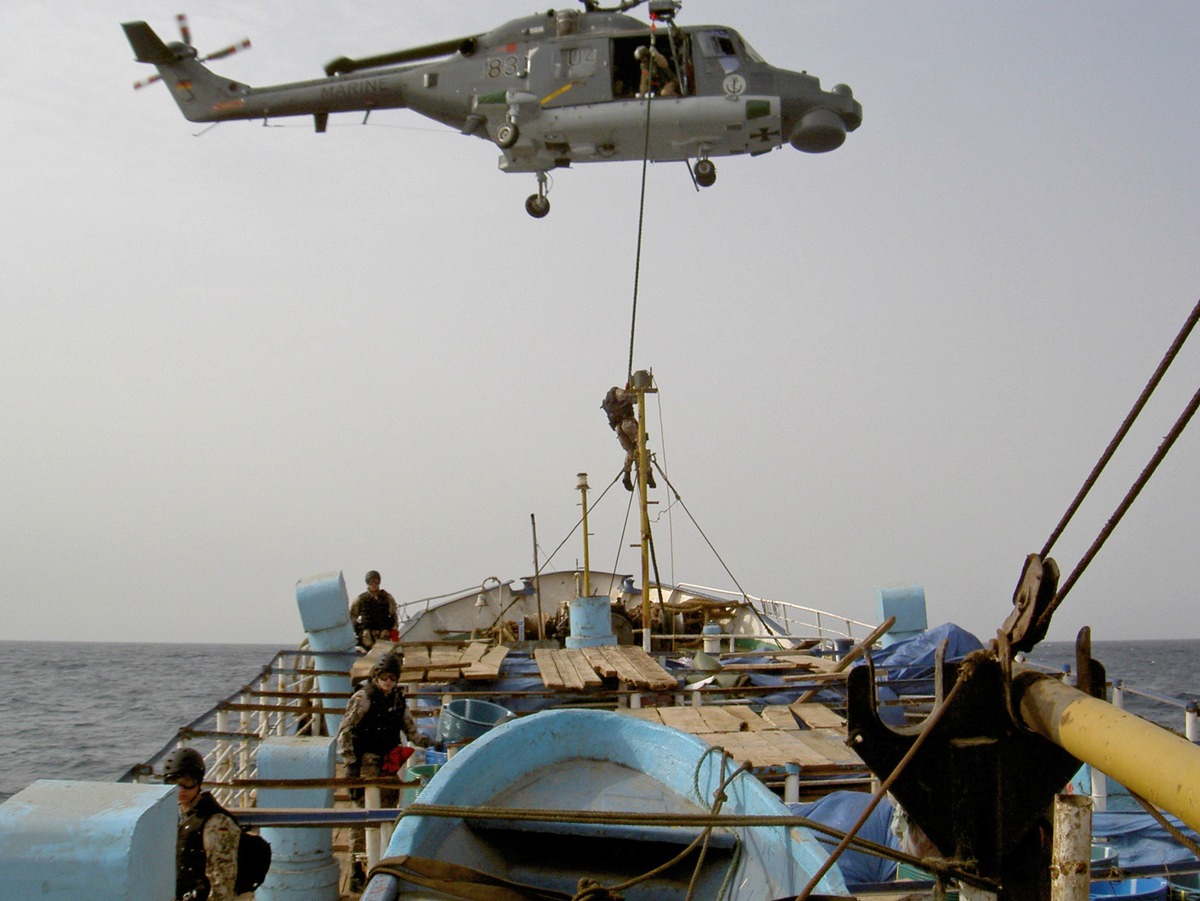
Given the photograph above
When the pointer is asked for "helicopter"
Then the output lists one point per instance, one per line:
(550, 90)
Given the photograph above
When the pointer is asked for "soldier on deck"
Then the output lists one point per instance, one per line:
(618, 405)
(376, 721)
(373, 613)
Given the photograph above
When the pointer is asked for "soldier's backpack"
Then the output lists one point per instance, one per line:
(254, 851)
(254, 859)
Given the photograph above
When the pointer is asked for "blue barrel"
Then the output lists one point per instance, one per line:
(466, 718)
(1130, 888)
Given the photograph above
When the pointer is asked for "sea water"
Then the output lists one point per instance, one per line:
(90, 711)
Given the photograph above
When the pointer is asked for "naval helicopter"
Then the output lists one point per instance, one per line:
(550, 90)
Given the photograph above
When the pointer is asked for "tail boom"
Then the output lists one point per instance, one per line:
(203, 96)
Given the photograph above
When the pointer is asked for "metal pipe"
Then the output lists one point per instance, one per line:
(1158, 765)
(582, 485)
(1070, 865)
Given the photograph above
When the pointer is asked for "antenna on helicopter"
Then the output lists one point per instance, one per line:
(186, 33)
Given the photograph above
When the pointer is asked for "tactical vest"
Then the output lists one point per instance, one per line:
(617, 410)
(374, 612)
(380, 729)
(190, 859)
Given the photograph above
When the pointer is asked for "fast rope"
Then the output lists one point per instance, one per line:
(1131, 495)
(637, 264)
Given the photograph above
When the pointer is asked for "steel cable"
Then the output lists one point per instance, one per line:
(1167, 359)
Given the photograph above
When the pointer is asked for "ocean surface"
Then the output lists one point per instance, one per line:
(90, 711)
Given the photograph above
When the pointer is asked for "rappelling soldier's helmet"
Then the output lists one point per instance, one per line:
(372, 576)
(182, 763)
(388, 663)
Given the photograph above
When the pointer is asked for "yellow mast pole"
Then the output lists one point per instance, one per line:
(643, 384)
(582, 485)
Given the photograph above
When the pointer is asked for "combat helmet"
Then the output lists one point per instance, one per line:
(183, 762)
(388, 663)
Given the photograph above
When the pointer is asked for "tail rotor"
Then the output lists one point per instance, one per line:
(185, 32)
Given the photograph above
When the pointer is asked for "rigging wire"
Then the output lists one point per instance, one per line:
(578, 523)
(662, 441)
(1167, 359)
(1122, 508)
(679, 500)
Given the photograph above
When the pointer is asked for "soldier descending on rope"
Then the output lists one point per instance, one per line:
(618, 405)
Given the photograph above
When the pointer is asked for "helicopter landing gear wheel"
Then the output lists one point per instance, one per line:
(706, 173)
(506, 135)
(538, 205)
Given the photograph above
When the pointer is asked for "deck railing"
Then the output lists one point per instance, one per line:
(793, 620)
(283, 699)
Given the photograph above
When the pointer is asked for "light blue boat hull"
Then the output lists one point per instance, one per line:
(601, 761)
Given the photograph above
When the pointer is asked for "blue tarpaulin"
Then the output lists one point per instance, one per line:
(840, 810)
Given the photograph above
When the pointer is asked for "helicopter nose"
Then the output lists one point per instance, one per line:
(819, 131)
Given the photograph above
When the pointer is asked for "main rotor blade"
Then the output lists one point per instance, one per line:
(344, 65)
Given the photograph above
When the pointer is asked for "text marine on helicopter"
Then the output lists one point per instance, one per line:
(563, 87)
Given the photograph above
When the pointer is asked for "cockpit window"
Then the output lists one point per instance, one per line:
(716, 43)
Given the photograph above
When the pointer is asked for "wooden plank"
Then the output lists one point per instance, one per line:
(474, 652)
(834, 750)
(567, 677)
(686, 719)
(548, 668)
(817, 716)
(600, 662)
(718, 719)
(649, 714)
(361, 668)
(753, 721)
(583, 669)
(488, 666)
(780, 718)
(638, 669)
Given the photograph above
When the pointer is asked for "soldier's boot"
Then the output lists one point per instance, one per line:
(650, 478)
(625, 480)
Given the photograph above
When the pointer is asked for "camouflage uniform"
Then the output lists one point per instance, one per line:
(363, 755)
(618, 406)
(378, 615)
(214, 851)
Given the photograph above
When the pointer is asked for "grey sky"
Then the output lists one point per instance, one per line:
(232, 361)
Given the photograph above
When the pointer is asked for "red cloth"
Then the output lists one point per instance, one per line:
(395, 759)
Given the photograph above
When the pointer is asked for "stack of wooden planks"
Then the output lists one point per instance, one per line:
(773, 739)
(436, 661)
(578, 669)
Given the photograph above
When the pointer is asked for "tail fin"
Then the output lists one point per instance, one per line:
(147, 46)
(200, 95)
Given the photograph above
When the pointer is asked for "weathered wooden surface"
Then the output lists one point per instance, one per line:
(750, 738)
(435, 661)
(577, 669)
(817, 716)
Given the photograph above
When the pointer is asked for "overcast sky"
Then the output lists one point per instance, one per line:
(233, 361)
